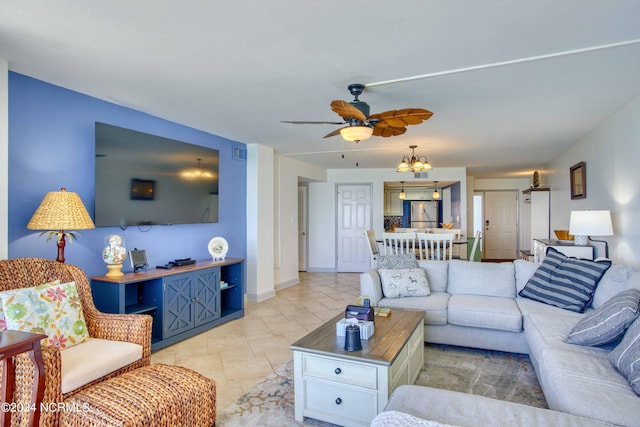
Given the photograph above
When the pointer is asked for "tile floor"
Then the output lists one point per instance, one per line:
(240, 353)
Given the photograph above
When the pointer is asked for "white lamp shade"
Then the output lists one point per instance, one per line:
(590, 223)
(356, 133)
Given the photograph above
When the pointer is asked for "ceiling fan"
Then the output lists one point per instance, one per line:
(360, 125)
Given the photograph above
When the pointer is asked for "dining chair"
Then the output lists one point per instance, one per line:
(476, 242)
(457, 235)
(373, 243)
(398, 243)
(432, 246)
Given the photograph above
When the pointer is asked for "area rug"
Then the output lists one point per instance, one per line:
(499, 375)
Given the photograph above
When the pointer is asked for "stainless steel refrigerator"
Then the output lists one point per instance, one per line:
(424, 214)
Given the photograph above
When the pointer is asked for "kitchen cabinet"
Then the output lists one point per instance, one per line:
(392, 203)
(183, 301)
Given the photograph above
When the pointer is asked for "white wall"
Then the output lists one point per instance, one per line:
(611, 152)
(288, 173)
(260, 222)
(4, 158)
(322, 206)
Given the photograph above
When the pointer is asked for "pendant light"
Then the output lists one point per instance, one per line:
(402, 194)
(435, 195)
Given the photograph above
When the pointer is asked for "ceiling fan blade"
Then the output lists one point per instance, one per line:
(404, 117)
(310, 123)
(387, 131)
(335, 132)
(346, 110)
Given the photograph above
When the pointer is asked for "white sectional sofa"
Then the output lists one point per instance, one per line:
(477, 305)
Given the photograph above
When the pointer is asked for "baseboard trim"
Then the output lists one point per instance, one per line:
(260, 297)
(321, 270)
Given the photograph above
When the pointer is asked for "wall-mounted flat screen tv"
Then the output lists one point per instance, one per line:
(144, 179)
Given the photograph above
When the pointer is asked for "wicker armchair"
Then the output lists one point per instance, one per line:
(27, 272)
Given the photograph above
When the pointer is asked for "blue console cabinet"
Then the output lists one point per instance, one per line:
(183, 301)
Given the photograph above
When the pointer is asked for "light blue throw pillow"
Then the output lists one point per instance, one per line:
(607, 323)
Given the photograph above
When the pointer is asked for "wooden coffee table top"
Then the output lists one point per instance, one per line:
(390, 336)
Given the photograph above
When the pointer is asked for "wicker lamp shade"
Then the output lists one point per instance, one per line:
(61, 210)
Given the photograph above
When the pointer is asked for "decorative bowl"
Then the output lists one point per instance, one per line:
(563, 235)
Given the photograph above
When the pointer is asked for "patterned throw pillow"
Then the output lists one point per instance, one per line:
(626, 356)
(53, 309)
(565, 282)
(397, 261)
(3, 323)
(607, 323)
(404, 282)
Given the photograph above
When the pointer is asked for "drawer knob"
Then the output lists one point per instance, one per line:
(338, 371)
(338, 401)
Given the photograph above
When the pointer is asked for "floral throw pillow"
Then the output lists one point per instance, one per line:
(53, 309)
(3, 323)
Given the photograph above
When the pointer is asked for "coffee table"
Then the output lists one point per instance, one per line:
(351, 388)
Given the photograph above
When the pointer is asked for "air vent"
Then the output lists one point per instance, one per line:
(240, 153)
(421, 175)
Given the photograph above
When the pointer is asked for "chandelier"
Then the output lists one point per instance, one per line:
(413, 163)
(197, 172)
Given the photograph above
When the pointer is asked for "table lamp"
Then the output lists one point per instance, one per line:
(583, 224)
(59, 211)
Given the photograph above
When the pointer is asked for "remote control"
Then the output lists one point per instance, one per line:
(166, 266)
(181, 259)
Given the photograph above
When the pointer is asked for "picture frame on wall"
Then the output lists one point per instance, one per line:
(578, 180)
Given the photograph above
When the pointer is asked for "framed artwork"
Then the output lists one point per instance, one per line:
(142, 189)
(578, 179)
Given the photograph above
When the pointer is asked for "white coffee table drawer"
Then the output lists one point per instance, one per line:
(339, 370)
(324, 400)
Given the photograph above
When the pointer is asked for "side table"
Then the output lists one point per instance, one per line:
(13, 343)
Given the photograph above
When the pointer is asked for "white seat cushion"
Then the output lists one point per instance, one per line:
(94, 359)
(479, 311)
(434, 306)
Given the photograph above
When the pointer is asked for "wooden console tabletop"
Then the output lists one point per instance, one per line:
(152, 273)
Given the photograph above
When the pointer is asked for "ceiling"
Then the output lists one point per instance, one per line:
(512, 84)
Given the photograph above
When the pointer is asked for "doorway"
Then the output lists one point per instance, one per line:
(353, 220)
(500, 236)
(303, 244)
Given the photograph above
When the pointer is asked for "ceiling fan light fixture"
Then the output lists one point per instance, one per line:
(356, 133)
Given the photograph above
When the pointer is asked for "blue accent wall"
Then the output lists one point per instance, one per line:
(51, 145)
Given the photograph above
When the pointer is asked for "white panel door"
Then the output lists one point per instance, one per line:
(302, 228)
(500, 225)
(354, 218)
